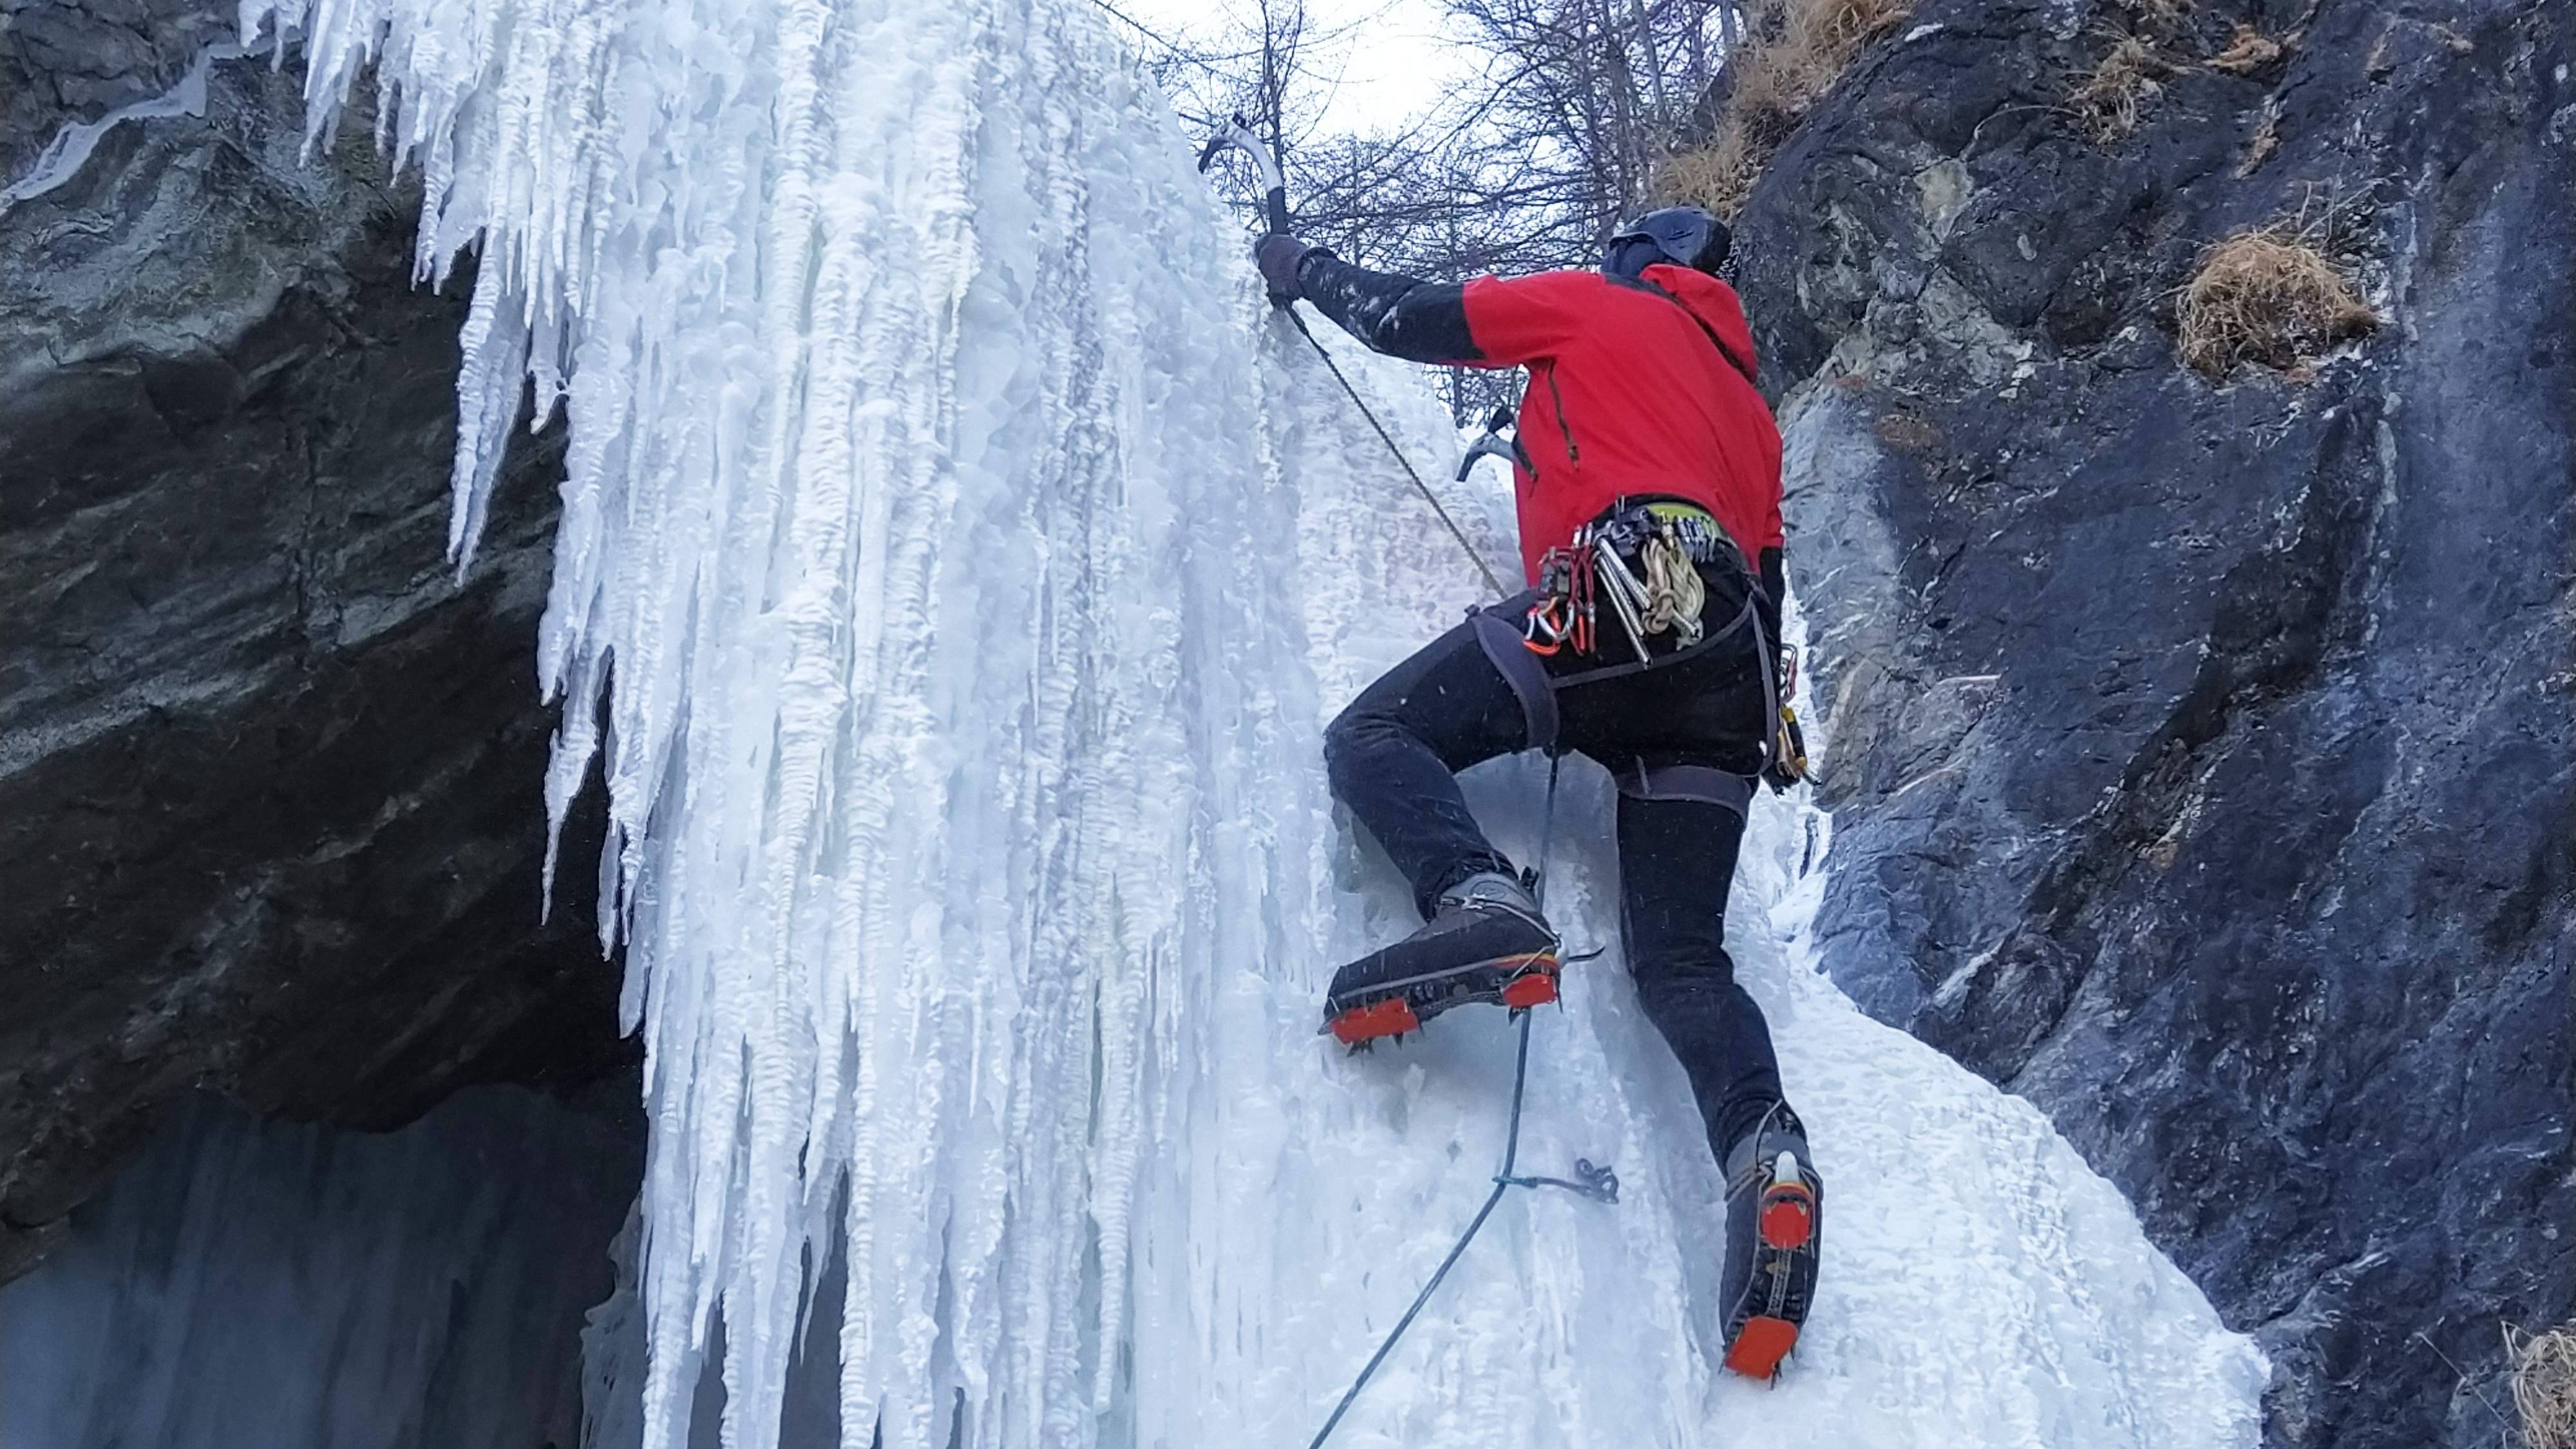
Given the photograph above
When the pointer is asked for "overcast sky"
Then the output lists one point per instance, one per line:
(1393, 63)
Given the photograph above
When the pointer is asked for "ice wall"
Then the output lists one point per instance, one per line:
(957, 568)
(251, 1285)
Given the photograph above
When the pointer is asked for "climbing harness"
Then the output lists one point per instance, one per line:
(1274, 197)
(1599, 1184)
(1661, 592)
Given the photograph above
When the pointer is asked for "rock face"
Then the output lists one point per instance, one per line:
(269, 774)
(76, 60)
(2209, 748)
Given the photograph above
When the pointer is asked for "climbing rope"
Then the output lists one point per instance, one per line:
(1274, 203)
(1455, 531)
(1597, 1183)
(1674, 593)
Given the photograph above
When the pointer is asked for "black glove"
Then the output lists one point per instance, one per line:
(1279, 255)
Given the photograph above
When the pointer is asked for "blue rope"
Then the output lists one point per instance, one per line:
(1598, 1183)
(1388, 438)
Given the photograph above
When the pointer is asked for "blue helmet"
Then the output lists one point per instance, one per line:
(1684, 235)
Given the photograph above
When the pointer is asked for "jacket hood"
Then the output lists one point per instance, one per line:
(1713, 302)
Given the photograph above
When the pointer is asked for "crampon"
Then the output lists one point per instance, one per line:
(1398, 1007)
(1775, 1227)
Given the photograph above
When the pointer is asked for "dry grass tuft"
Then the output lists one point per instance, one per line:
(2107, 101)
(1718, 175)
(1790, 56)
(2544, 1385)
(2268, 295)
(2248, 51)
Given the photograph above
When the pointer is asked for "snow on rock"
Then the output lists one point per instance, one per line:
(963, 567)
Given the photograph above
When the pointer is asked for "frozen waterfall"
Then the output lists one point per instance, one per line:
(956, 571)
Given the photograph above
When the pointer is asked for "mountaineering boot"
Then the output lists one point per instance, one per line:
(1775, 1207)
(1485, 941)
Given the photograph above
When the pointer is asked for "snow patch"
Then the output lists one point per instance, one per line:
(70, 149)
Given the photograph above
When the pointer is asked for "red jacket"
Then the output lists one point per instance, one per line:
(1634, 388)
(1630, 393)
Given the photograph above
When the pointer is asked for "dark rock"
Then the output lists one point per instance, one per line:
(2203, 756)
(270, 818)
(76, 60)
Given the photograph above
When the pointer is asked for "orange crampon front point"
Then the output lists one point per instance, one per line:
(1758, 1349)
(1536, 987)
(1788, 1216)
(1377, 1019)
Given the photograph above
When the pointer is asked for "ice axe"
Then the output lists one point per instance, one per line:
(1274, 187)
(1274, 204)
(1492, 445)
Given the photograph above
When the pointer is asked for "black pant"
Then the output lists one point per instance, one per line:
(1392, 757)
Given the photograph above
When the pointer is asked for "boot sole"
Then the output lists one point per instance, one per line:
(1784, 1226)
(1518, 982)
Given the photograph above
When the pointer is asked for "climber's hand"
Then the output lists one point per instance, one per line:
(1278, 257)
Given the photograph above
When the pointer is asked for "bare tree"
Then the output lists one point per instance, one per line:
(1592, 96)
(1529, 166)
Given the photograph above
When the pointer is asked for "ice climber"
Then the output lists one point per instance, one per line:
(1648, 483)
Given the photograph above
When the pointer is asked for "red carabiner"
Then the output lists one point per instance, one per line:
(1543, 627)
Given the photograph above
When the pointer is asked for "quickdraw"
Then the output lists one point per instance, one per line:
(1548, 627)
(1788, 751)
(1788, 764)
